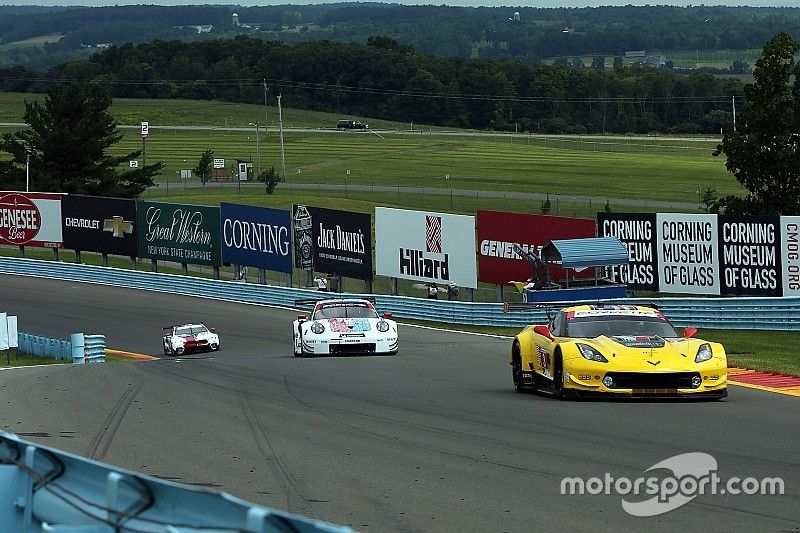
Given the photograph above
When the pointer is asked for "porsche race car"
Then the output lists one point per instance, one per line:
(342, 327)
(189, 337)
(622, 350)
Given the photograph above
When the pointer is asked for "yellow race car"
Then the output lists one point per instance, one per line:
(620, 350)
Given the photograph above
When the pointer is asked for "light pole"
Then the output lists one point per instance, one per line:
(27, 169)
(280, 125)
(266, 122)
(258, 151)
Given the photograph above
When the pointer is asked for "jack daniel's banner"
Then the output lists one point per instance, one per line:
(333, 241)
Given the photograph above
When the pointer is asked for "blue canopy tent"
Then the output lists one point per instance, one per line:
(576, 255)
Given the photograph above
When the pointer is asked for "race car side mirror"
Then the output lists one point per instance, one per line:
(689, 332)
(212, 330)
(387, 315)
(301, 317)
(544, 331)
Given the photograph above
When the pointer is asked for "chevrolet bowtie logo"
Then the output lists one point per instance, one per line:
(654, 364)
(117, 226)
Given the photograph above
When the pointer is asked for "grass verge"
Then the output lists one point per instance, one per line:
(768, 351)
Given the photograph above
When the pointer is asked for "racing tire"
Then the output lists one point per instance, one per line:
(214, 347)
(516, 370)
(558, 377)
(178, 351)
(166, 350)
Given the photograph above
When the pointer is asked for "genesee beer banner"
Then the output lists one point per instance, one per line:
(30, 219)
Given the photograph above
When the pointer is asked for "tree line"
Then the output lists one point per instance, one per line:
(488, 32)
(385, 79)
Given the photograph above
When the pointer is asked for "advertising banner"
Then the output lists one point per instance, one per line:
(30, 219)
(790, 251)
(256, 236)
(637, 231)
(750, 255)
(688, 253)
(333, 241)
(498, 231)
(427, 247)
(97, 224)
(180, 233)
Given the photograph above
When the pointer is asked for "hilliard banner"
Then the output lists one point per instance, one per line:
(97, 224)
(499, 263)
(256, 236)
(30, 219)
(428, 247)
(332, 241)
(637, 231)
(180, 233)
(750, 255)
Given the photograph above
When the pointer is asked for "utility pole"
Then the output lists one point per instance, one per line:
(27, 169)
(266, 122)
(280, 125)
(734, 113)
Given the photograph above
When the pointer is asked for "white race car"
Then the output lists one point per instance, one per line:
(343, 326)
(190, 337)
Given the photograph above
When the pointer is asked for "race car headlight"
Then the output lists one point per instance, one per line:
(317, 327)
(703, 353)
(383, 326)
(591, 354)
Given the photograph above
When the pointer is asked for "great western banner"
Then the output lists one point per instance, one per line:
(180, 233)
(637, 231)
(98, 224)
(256, 236)
(30, 219)
(424, 246)
(333, 241)
(498, 232)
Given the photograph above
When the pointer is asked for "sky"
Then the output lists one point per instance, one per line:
(471, 3)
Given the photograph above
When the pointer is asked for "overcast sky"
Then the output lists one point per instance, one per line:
(518, 3)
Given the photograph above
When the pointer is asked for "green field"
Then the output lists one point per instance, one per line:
(39, 40)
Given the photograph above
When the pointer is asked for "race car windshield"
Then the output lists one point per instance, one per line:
(183, 331)
(345, 311)
(612, 326)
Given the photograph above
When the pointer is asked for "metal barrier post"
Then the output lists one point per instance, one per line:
(78, 355)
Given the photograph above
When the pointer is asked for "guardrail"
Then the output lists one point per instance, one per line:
(46, 489)
(79, 349)
(781, 314)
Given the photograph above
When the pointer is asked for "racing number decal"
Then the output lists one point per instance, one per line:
(544, 361)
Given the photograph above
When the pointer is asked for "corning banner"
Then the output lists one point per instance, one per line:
(750, 255)
(637, 231)
(790, 251)
(427, 247)
(180, 233)
(688, 253)
(98, 224)
(256, 236)
(333, 241)
(497, 231)
(30, 219)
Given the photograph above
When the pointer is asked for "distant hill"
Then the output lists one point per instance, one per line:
(527, 34)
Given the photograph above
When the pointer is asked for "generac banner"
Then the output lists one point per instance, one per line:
(498, 231)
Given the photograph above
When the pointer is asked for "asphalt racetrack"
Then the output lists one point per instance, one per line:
(434, 439)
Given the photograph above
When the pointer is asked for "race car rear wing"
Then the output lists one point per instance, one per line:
(312, 301)
(549, 306)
